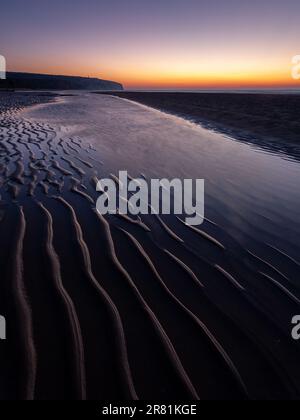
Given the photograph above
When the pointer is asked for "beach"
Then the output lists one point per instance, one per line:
(147, 307)
(268, 119)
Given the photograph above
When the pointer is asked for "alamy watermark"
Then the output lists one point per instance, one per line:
(296, 328)
(126, 195)
(2, 319)
(2, 67)
(2, 328)
(296, 67)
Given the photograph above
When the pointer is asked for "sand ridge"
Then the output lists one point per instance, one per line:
(127, 307)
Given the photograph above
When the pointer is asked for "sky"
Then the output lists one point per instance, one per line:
(165, 44)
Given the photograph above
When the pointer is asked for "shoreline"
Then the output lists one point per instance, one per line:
(106, 293)
(223, 114)
(18, 101)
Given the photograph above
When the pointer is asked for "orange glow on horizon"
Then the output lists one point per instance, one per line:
(158, 45)
(215, 73)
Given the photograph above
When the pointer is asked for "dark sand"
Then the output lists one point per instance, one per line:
(112, 308)
(268, 120)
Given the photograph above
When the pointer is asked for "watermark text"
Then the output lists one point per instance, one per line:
(296, 328)
(296, 67)
(2, 328)
(125, 195)
(2, 67)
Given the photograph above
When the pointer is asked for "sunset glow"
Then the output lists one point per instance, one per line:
(205, 45)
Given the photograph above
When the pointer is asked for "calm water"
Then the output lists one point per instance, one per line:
(253, 194)
(164, 310)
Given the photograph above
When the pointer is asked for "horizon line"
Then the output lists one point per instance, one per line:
(218, 86)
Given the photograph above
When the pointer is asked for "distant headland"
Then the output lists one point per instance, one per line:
(50, 82)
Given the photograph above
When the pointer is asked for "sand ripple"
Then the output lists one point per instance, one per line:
(128, 307)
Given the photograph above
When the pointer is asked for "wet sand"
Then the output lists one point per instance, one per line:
(268, 120)
(126, 308)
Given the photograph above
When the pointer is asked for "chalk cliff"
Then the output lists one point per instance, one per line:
(49, 82)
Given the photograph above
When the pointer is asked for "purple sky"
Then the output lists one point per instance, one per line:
(154, 44)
